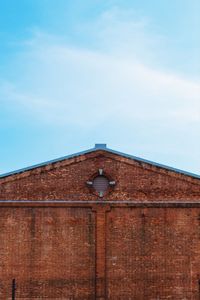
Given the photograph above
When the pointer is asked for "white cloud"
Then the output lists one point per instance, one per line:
(73, 86)
(114, 82)
(114, 79)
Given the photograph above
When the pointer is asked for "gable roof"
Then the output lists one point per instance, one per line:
(103, 147)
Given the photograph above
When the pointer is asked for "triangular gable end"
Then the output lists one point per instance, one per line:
(102, 147)
(69, 178)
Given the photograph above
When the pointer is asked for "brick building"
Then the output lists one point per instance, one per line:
(100, 225)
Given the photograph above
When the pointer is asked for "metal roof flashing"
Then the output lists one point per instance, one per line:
(104, 148)
(100, 146)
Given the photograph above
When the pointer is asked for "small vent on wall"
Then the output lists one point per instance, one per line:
(100, 184)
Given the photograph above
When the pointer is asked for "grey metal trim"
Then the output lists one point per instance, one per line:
(103, 148)
(118, 203)
(149, 162)
(47, 162)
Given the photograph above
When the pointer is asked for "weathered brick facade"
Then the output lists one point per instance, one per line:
(59, 240)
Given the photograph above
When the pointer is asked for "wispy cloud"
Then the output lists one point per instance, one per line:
(114, 80)
(70, 85)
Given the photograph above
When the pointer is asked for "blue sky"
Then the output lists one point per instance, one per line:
(75, 73)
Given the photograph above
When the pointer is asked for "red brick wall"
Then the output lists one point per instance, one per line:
(153, 253)
(49, 251)
(67, 181)
(100, 251)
